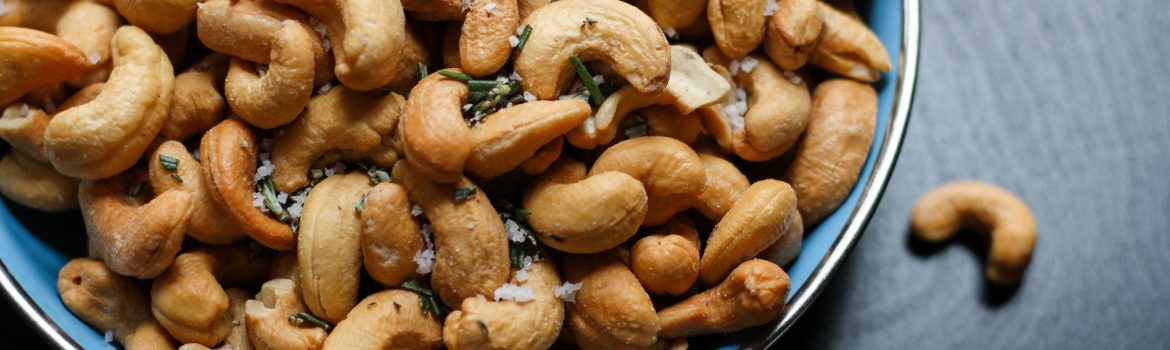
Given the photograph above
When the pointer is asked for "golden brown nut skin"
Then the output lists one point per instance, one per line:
(737, 25)
(667, 260)
(189, 299)
(792, 33)
(724, 185)
(23, 127)
(762, 214)
(135, 237)
(847, 47)
(110, 302)
(209, 222)
(483, 45)
(575, 214)
(329, 245)
(33, 59)
(197, 105)
(435, 138)
(505, 139)
(230, 151)
(528, 325)
(35, 184)
(611, 310)
(390, 319)
(390, 237)
(753, 294)
(266, 318)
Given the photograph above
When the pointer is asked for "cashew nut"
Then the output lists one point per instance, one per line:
(762, 214)
(435, 138)
(83, 96)
(940, 214)
(229, 153)
(544, 157)
(435, 10)
(237, 337)
(471, 246)
(787, 247)
(365, 35)
(246, 28)
(483, 45)
(611, 310)
(669, 169)
(33, 59)
(196, 107)
(89, 26)
(669, 122)
(792, 33)
(23, 127)
(341, 119)
(329, 245)
(414, 50)
(108, 135)
(675, 13)
(527, 6)
(776, 116)
(209, 223)
(135, 237)
(276, 98)
(36, 184)
(576, 214)
(505, 139)
(833, 150)
(450, 44)
(267, 316)
(725, 183)
(753, 294)
(530, 325)
(110, 302)
(188, 299)
(391, 319)
(667, 260)
(738, 25)
(391, 237)
(847, 47)
(608, 30)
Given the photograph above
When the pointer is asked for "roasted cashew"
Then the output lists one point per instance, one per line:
(611, 310)
(35, 184)
(725, 183)
(31, 59)
(23, 127)
(669, 122)
(608, 30)
(792, 33)
(669, 169)
(196, 107)
(189, 299)
(527, 6)
(435, 138)
(667, 260)
(847, 47)
(763, 213)
(390, 319)
(415, 50)
(275, 98)
(237, 337)
(390, 237)
(483, 45)
(109, 134)
(787, 247)
(530, 325)
(110, 302)
(89, 26)
(833, 150)
(754, 293)
(673, 14)
(505, 139)
(341, 119)
(229, 153)
(329, 245)
(158, 16)
(365, 35)
(779, 110)
(267, 321)
(246, 28)
(209, 222)
(450, 44)
(135, 237)
(471, 246)
(544, 157)
(940, 214)
(738, 25)
(83, 96)
(435, 10)
(576, 214)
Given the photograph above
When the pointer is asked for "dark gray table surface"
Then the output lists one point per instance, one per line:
(1065, 102)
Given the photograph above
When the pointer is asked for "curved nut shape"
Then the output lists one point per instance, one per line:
(792, 33)
(209, 223)
(416, 49)
(134, 240)
(36, 184)
(716, 121)
(752, 295)
(390, 319)
(786, 248)
(110, 303)
(725, 183)
(435, 10)
(267, 319)
(669, 122)
(621, 36)
(675, 14)
(435, 138)
(659, 209)
(229, 153)
(664, 165)
(246, 28)
(505, 139)
(23, 127)
(158, 16)
(109, 134)
(611, 310)
(833, 150)
(939, 214)
(391, 237)
(329, 245)
(667, 260)
(189, 299)
(544, 157)
(738, 25)
(575, 214)
(365, 35)
(196, 107)
(276, 98)
(483, 45)
(762, 214)
(83, 96)
(529, 325)
(848, 47)
(779, 112)
(471, 246)
(90, 26)
(31, 59)
(342, 120)
(603, 126)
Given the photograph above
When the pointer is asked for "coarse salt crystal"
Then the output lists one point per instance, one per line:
(24, 110)
(109, 336)
(598, 79)
(425, 259)
(480, 297)
(733, 67)
(326, 44)
(515, 76)
(529, 97)
(471, 226)
(491, 7)
(793, 77)
(94, 58)
(770, 7)
(467, 107)
(295, 209)
(466, 4)
(324, 88)
(513, 40)
(416, 211)
(749, 64)
(513, 292)
(670, 32)
(567, 291)
(199, 4)
(427, 233)
(262, 70)
(282, 197)
(502, 79)
(515, 233)
(319, 26)
(258, 201)
(521, 275)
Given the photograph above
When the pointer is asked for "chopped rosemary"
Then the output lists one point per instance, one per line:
(426, 298)
(136, 190)
(527, 249)
(587, 80)
(305, 317)
(455, 75)
(169, 163)
(316, 174)
(177, 177)
(522, 215)
(422, 70)
(588, 21)
(269, 191)
(361, 204)
(524, 37)
(463, 194)
(378, 175)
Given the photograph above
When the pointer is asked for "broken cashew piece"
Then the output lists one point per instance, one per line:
(611, 310)
(329, 245)
(483, 45)
(108, 135)
(267, 321)
(763, 213)
(23, 127)
(754, 293)
(390, 319)
(940, 213)
(847, 47)
(274, 98)
(365, 35)
(230, 152)
(135, 237)
(792, 33)
(737, 25)
(612, 31)
(112, 303)
(667, 260)
(390, 237)
(189, 299)
(575, 214)
(36, 184)
(435, 137)
(505, 139)
(209, 223)
(524, 325)
(34, 59)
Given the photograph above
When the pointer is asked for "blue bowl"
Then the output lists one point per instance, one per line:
(29, 263)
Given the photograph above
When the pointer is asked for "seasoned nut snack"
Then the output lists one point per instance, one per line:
(509, 174)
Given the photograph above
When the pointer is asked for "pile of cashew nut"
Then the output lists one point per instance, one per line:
(475, 174)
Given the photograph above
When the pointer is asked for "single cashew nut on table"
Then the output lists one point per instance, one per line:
(942, 212)
(365, 35)
(111, 302)
(390, 319)
(134, 236)
(435, 137)
(483, 45)
(575, 214)
(329, 245)
(278, 96)
(752, 295)
(390, 237)
(36, 184)
(230, 152)
(267, 321)
(31, 59)
(530, 325)
(209, 222)
(505, 139)
(847, 47)
(611, 310)
(189, 299)
(246, 28)
(667, 260)
(763, 213)
(737, 25)
(792, 33)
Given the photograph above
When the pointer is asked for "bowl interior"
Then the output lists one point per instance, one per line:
(32, 260)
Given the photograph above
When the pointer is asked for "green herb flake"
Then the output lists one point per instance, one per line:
(316, 174)
(524, 34)
(587, 80)
(361, 204)
(169, 163)
(426, 298)
(522, 214)
(268, 190)
(422, 70)
(305, 317)
(177, 177)
(455, 75)
(463, 194)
